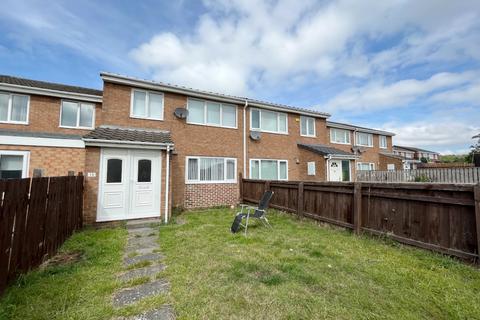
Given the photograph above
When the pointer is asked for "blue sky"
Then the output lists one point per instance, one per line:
(412, 67)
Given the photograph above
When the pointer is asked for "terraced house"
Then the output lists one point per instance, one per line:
(146, 147)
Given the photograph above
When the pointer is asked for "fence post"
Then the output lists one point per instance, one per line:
(300, 199)
(240, 181)
(476, 195)
(267, 185)
(357, 207)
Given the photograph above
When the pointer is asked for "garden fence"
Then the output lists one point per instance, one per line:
(440, 175)
(439, 217)
(36, 216)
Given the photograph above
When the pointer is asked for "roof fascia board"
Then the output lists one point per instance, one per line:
(48, 92)
(41, 141)
(101, 142)
(366, 130)
(194, 93)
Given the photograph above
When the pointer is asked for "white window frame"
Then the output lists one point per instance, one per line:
(79, 103)
(308, 126)
(221, 114)
(234, 180)
(380, 139)
(364, 145)
(147, 98)
(343, 130)
(26, 159)
(260, 168)
(260, 121)
(10, 106)
(370, 164)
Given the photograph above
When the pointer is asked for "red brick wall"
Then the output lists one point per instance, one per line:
(53, 161)
(210, 195)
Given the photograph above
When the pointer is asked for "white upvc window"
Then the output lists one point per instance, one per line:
(268, 121)
(364, 139)
(210, 170)
(77, 115)
(339, 136)
(383, 142)
(365, 166)
(146, 105)
(210, 113)
(14, 164)
(307, 126)
(14, 108)
(268, 169)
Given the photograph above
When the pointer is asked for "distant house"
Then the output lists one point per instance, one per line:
(412, 156)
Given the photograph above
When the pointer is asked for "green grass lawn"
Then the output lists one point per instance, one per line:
(81, 290)
(301, 270)
(298, 270)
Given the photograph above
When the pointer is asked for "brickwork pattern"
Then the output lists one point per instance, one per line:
(211, 195)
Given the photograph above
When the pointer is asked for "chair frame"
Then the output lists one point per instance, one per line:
(248, 209)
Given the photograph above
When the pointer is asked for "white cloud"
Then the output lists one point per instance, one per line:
(445, 135)
(240, 45)
(377, 96)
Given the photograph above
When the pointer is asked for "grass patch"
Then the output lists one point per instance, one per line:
(302, 270)
(140, 264)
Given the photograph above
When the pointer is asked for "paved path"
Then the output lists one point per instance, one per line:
(142, 260)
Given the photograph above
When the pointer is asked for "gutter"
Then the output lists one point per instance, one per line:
(245, 139)
(139, 83)
(101, 142)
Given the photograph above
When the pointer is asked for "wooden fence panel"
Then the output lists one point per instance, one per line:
(36, 216)
(439, 217)
(436, 175)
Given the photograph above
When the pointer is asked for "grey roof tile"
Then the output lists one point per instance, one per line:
(324, 150)
(4, 132)
(130, 135)
(48, 85)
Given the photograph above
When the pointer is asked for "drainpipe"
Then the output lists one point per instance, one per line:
(167, 178)
(245, 139)
(329, 157)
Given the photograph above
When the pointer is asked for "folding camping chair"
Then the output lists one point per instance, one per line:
(258, 213)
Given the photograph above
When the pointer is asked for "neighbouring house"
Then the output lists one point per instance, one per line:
(146, 147)
(412, 156)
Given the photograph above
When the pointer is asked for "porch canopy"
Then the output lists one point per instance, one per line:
(111, 136)
(327, 151)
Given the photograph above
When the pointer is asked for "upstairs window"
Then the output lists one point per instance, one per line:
(14, 108)
(268, 169)
(383, 142)
(211, 170)
(364, 139)
(211, 113)
(268, 121)
(77, 115)
(307, 126)
(339, 136)
(147, 105)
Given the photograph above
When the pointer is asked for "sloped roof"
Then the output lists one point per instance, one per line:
(113, 77)
(358, 128)
(48, 85)
(324, 150)
(132, 135)
(414, 149)
(36, 134)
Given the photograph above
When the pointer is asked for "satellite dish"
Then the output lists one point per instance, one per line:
(181, 113)
(255, 135)
(357, 149)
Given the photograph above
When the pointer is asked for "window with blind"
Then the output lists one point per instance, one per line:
(307, 126)
(383, 142)
(77, 115)
(211, 170)
(364, 139)
(147, 105)
(268, 169)
(14, 108)
(365, 166)
(339, 136)
(268, 121)
(211, 113)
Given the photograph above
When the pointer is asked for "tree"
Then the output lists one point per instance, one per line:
(424, 160)
(475, 149)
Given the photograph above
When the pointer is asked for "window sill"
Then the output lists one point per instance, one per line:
(15, 122)
(347, 144)
(272, 132)
(211, 125)
(77, 128)
(307, 136)
(361, 145)
(211, 182)
(145, 118)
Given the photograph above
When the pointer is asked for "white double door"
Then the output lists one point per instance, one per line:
(129, 184)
